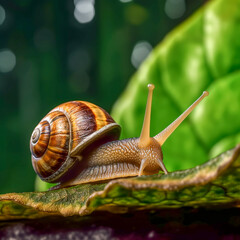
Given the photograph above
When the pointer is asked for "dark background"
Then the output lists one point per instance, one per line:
(56, 51)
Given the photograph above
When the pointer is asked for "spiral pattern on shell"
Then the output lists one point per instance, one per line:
(60, 131)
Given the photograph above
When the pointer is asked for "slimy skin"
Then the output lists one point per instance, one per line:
(122, 158)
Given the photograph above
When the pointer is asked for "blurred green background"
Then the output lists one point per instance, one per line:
(56, 51)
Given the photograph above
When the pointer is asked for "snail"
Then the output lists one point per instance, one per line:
(77, 142)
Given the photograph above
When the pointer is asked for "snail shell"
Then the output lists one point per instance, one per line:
(58, 140)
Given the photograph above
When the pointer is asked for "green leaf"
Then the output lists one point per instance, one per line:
(215, 183)
(201, 54)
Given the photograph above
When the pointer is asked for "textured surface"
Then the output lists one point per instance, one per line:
(61, 131)
(215, 183)
(201, 54)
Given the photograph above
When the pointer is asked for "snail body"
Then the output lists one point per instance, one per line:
(77, 142)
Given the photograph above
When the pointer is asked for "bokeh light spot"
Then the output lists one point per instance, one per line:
(175, 8)
(136, 14)
(7, 60)
(44, 39)
(79, 60)
(2, 15)
(79, 82)
(125, 1)
(84, 11)
(77, 1)
(140, 51)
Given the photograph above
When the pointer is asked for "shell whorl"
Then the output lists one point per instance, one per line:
(50, 149)
(60, 131)
(40, 139)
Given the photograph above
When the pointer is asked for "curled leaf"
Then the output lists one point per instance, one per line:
(215, 183)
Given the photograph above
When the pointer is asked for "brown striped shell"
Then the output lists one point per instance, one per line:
(58, 140)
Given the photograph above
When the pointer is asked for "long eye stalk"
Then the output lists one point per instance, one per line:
(163, 136)
(144, 139)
